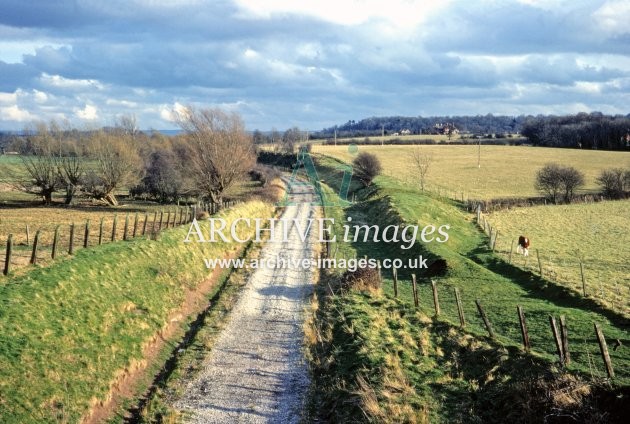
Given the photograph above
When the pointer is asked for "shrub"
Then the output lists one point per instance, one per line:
(366, 167)
(614, 182)
(361, 279)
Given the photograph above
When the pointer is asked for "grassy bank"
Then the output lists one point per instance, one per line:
(377, 357)
(69, 331)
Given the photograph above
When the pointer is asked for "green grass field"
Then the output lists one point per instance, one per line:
(400, 360)
(595, 234)
(506, 171)
(69, 329)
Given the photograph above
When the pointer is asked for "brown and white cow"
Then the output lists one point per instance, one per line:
(523, 245)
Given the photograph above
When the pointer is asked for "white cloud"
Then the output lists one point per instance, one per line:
(58, 81)
(89, 113)
(121, 103)
(40, 96)
(172, 113)
(14, 113)
(8, 97)
(614, 16)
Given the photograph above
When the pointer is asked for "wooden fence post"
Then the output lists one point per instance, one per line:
(603, 348)
(34, 253)
(460, 309)
(436, 302)
(583, 279)
(28, 235)
(524, 332)
(100, 231)
(55, 243)
(144, 224)
(380, 272)
(564, 336)
(9, 253)
(71, 241)
(86, 234)
(556, 338)
(494, 243)
(395, 277)
(153, 224)
(126, 228)
(135, 226)
(539, 263)
(114, 227)
(485, 319)
(414, 288)
(161, 220)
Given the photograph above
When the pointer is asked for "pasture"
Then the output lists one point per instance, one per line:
(505, 172)
(406, 138)
(595, 234)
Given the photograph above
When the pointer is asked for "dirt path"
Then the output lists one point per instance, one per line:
(256, 372)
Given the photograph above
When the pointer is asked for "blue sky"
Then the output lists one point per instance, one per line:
(281, 63)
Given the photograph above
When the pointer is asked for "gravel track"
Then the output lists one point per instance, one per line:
(256, 371)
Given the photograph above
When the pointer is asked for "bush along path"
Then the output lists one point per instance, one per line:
(256, 371)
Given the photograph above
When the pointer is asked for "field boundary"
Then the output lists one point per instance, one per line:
(50, 242)
(545, 265)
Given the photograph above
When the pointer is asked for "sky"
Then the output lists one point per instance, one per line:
(309, 63)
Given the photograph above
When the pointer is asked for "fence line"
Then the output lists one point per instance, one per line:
(556, 341)
(52, 240)
(554, 269)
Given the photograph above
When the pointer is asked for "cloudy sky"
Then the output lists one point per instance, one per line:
(310, 63)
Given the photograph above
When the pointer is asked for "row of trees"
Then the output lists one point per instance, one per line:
(375, 126)
(559, 183)
(213, 154)
(583, 130)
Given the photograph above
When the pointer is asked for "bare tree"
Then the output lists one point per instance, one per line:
(117, 164)
(42, 176)
(41, 162)
(556, 180)
(290, 139)
(127, 125)
(71, 170)
(221, 151)
(572, 179)
(421, 162)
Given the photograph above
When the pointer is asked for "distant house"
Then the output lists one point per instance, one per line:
(446, 129)
(405, 132)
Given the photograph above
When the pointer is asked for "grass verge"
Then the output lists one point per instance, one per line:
(68, 332)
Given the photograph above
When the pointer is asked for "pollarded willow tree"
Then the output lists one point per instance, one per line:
(221, 152)
(117, 164)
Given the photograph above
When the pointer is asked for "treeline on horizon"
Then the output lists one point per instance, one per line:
(583, 130)
(593, 130)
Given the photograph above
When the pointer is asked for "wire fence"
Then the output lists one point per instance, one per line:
(50, 241)
(607, 282)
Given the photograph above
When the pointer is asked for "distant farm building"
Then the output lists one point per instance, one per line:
(446, 128)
